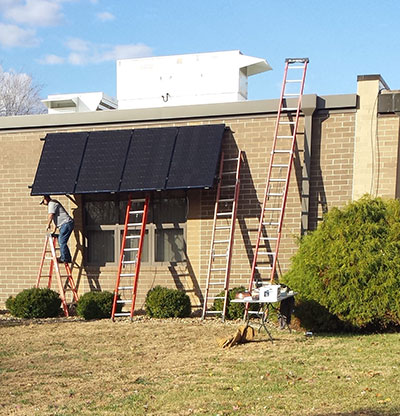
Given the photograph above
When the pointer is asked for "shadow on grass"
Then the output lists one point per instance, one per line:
(365, 412)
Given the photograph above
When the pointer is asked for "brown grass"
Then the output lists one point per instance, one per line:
(175, 367)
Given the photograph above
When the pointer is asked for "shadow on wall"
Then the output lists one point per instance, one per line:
(317, 188)
(78, 268)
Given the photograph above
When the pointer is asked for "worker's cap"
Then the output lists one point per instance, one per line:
(43, 199)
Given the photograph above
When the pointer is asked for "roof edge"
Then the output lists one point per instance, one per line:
(169, 113)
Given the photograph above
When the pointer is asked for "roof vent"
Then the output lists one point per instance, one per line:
(81, 102)
(186, 79)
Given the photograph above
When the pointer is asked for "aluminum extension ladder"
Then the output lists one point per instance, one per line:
(130, 257)
(278, 176)
(225, 210)
(50, 253)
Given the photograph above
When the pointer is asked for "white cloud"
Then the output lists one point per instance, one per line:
(34, 12)
(77, 45)
(105, 16)
(12, 35)
(127, 51)
(76, 58)
(83, 52)
(52, 59)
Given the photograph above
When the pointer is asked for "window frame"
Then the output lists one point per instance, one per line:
(118, 228)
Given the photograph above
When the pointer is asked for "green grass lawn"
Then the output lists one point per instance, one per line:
(175, 367)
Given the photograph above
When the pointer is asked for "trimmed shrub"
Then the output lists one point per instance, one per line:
(350, 265)
(96, 305)
(35, 303)
(233, 310)
(162, 302)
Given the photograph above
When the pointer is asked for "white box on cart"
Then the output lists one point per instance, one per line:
(270, 293)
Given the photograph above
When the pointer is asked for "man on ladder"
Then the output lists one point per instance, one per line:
(61, 219)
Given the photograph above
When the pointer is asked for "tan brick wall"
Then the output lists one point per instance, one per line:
(331, 164)
(22, 220)
(386, 170)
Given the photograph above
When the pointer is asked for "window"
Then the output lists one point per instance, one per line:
(165, 231)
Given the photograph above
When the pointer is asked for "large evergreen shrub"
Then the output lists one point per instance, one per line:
(35, 303)
(350, 265)
(96, 305)
(162, 302)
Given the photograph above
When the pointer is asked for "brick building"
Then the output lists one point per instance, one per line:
(349, 146)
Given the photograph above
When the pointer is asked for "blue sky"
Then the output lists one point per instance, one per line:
(70, 46)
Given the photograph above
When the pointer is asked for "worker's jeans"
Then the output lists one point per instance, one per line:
(65, 232)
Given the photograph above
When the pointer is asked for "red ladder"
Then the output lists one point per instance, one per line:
(130, 257)
(225, 210)
(69, 284)
(278, 177)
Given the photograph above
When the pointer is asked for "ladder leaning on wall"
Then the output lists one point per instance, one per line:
(278, 176)
(130, 257)
(220, 256)
(50, 253)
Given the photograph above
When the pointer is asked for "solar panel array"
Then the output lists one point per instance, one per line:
(129, 160)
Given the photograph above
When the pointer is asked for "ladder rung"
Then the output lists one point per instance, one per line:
(223, 227)
(277, 180)
(270, 223)
(125, 287)
(233, 159)
(294, 80)
(131, 249)
(292, 95)
(122, 314)
(128, 261)
(214, 311)
(227, 186)
(218, 269)
(282, 151)
(296, 67)
(219, 255)
(285, 137)
(223, 214)
(132, 236)
(216, 297)
(134, 224)
(136, 212)
(268, 238)
(232, 172)
(124, 301)
(289, 109)
(287, 122)
(263, 267)
(216, 283)
(280, 166)
(127, 274)
(273, 209)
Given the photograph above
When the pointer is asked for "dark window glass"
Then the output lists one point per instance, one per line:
(100, 247)
(170, 245)
(101, 213)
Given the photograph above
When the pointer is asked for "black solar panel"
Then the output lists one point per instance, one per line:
(104, 161)
(149, 159)
(125, 160)
(196, 156)
(59, 163)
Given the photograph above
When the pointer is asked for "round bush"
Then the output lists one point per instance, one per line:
(233, 310)
(96, 305)
(162, 302)
(350, 265)
(35, 303)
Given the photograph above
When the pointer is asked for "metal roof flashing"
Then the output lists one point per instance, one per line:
(166, 113)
